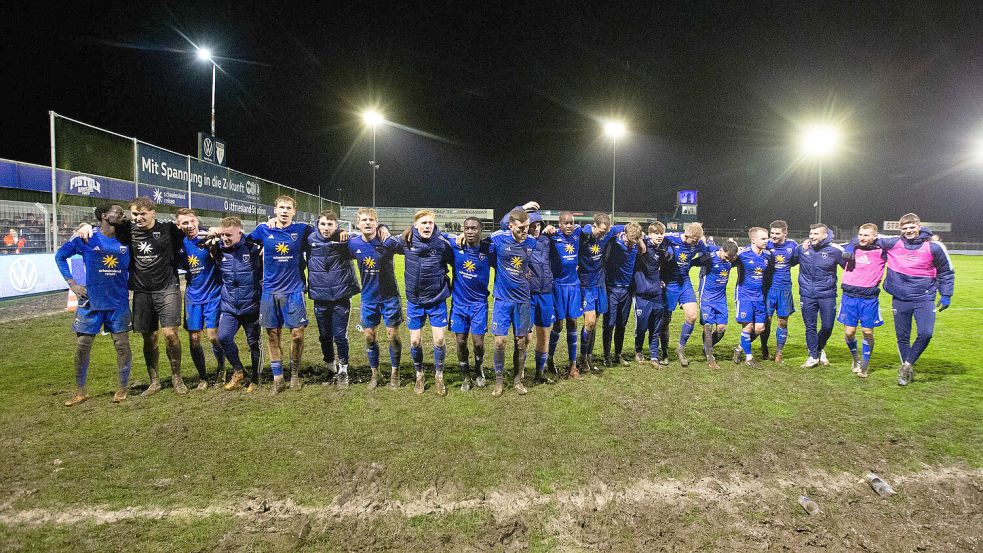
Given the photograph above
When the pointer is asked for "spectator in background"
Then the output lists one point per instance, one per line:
(10, 242)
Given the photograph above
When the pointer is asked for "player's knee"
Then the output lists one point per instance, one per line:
(84, 342)
(868, 333)
(194, 338)
(297, 333)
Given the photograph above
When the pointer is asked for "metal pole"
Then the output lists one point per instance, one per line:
(374, 166)
(614, 172)
(320, 200)
(339, 201)
(819, 208)
(54, 185)
(213, 98)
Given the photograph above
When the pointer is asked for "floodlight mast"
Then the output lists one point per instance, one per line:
(373, 119)
(614, 130)
(818, 142)
(205, 54)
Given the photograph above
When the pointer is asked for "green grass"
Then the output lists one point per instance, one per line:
(215, 447)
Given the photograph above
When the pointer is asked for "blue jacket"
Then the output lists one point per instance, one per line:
(426, 275)
(817, 268)
(647, 280)
(541, 266)
(330, 273)
(242, 277)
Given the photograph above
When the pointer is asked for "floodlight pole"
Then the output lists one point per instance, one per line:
(375, 166)
(213, 98)
(614, 172)
(819, 207)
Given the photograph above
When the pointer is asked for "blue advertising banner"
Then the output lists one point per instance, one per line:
(243, 187)
(215, 203)
(159, 167)
(165, 196)
(29, 274)
(79, 184)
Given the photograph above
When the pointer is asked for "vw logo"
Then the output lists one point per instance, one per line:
(207, 146)
(23, 275)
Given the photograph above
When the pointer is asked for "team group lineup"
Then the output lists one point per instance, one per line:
(546, 278)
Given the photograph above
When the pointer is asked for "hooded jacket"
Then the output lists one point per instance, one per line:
(427, 261)
(242, 278)
(330, 273)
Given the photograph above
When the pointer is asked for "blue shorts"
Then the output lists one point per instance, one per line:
(866, 311)
(780, 302)
(713, 312)
(469, 317)
(750, 311)
(594, 298)
(567, 302)
(202, 315)
(91, 321)
(679, 293)
(417, 315)
(507, 314)
(373, 313)
(283, 310)
(619, 307)
(543, 313)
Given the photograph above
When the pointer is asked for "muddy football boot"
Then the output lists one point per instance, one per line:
(738, 356)
(79, 397)
(778, 357)
(236, 382)
(499, 385)
(906, 373)
(574, 372)
(279, 385)
(120, 395)
(154, 384)
(394, 378)
(639, 358)
(541, 377)
(439, 384)
(712, 362)
(178, 383)
(342, 380)
(202, 385)
(295, 380)
(517, 382)
(823, 359)
(419, 386)
(681, 355)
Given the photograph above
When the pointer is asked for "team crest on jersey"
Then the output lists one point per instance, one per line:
(638, 312)
(122, 250)
(293, 235)
(245, 257)
(156, 235)
(481, 256)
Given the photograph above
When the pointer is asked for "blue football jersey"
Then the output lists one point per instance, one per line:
(472, 273)
(568, 250)
(780, 275)
(204, 277)
(591, 262)
(714, 274)
(511, 266)
(107, 269)
(620, 263)
(283, 253)
(375, 265)
(751, 269)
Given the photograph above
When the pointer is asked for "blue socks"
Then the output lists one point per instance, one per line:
(781, 336)
(198, 357)
(685, 334)
(499, 360)
(373, 354)
(852, 346)
(541, 360)
(438, 358)
(572, 345)
(554, 340)
(395, 352)
(746, 342)
(277, 368)
(867, 349)
(416, 354)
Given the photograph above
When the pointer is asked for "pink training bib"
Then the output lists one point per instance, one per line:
(917, 263)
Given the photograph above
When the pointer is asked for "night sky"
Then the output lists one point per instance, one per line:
(499, 105)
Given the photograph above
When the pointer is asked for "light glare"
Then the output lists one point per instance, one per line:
(614, 129)
(373, 118)
(820, 140)
(205, 54)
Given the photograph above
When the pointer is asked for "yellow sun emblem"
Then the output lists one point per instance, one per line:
(758, 270)
(516, 262)
(192, 260)
(568, 248)
(723, 273)
(595, 249)
(368, 262)
(282, 248)
(469, 266)
(683, 257)
(779, 259)
(110, 261)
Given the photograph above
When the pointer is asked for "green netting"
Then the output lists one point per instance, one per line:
(88, 150)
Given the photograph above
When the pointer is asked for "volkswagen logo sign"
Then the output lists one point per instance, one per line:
(23, 275)
(207, 146)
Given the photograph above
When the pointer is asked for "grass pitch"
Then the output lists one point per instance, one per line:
(636, 458)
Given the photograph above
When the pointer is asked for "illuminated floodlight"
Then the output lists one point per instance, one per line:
(373, 118)
(205, 54)
(614, 129)
(819, 141)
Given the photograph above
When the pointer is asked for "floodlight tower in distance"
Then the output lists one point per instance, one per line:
(205, 54)
(819, 142)
(372, 118)
(614, 130)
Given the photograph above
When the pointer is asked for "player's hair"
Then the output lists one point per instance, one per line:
(232, 222)
(869, 226)
(102, 210)
(909, 218)
(329, 215)
(602, 218)
(730, 248)
(633, 230)
(518, 215)
(754, 230)
(143, 204)
(423, 213)
(779, 224)
(818, 225)
(565, 213)
(185, 211)
(367, 211)
(695, 228)
(475, 219)
(285, 198)
(657, 228)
